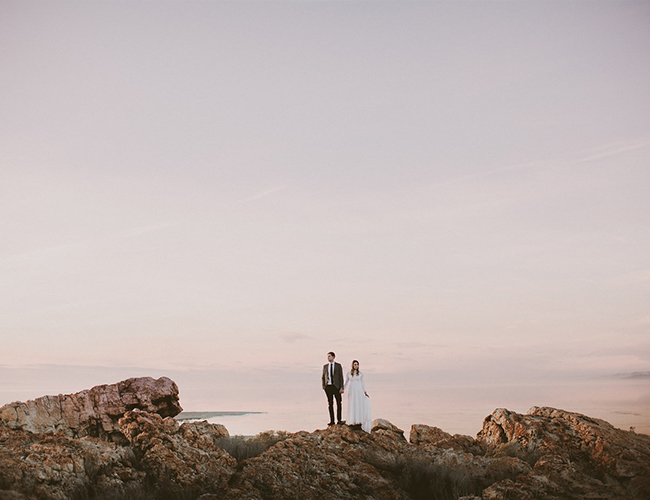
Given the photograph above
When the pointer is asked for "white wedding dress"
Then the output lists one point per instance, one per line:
(358, 402)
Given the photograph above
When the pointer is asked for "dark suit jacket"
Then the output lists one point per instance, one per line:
(338, 375)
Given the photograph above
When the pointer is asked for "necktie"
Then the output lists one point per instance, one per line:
(331, 373)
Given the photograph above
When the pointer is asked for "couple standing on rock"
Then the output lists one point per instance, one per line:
(358, 399)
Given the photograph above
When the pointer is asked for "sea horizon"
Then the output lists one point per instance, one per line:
(282, 400)
(621, 402)
(248, 423)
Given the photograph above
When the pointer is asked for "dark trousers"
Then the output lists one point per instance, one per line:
(333, 393)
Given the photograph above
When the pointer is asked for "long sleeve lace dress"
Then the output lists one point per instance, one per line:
(358, 403)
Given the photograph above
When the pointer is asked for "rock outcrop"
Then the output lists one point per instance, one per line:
(93, 412)
(423, 434)
(572, 456)
(547, 453)
(183, 459)
(52, 466)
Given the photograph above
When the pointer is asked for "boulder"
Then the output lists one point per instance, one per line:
(52, 466)
(572, 456)
(423, 434)
(94, 412)
(384, 426)
(179, 459)
(335, 463)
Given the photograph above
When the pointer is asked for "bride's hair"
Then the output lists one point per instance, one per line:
(352, 370)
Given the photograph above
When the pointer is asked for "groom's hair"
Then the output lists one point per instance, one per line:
(333, 355)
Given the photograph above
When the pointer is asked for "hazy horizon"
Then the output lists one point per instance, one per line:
(454, 193)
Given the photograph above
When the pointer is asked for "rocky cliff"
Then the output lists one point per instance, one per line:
(93, 412)
(545, 454)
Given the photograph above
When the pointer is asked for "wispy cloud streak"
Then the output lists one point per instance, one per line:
(263, 194)
(612, 151)
(74, 245)
(597, 154)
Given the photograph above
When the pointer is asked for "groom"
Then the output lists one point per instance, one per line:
(333, 386)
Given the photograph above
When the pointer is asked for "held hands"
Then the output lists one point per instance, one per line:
(341, 391)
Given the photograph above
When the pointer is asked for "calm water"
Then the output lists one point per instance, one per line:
(458, 408)
(294, 401)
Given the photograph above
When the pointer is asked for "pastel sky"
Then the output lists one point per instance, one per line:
(240, 187)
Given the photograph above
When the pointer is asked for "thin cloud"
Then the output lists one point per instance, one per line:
(634, 278)
(419, 345)
(66, 307)
(138, 231)
(42, 252)
(645, 320)
(263, 194)
(596, 154)
(539, 165)
(481, 175)
(634, 376)
(293, 336)
(612, 151)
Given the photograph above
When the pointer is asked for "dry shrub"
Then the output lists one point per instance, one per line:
(424, 479)
(242, 447)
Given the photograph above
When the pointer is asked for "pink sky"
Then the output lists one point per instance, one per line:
(446, 191)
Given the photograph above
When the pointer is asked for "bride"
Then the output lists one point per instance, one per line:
(358, 399)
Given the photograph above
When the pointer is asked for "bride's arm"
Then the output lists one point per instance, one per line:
(347, 380)
(363, 386)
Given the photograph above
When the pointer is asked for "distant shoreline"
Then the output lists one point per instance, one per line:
(200, 415)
